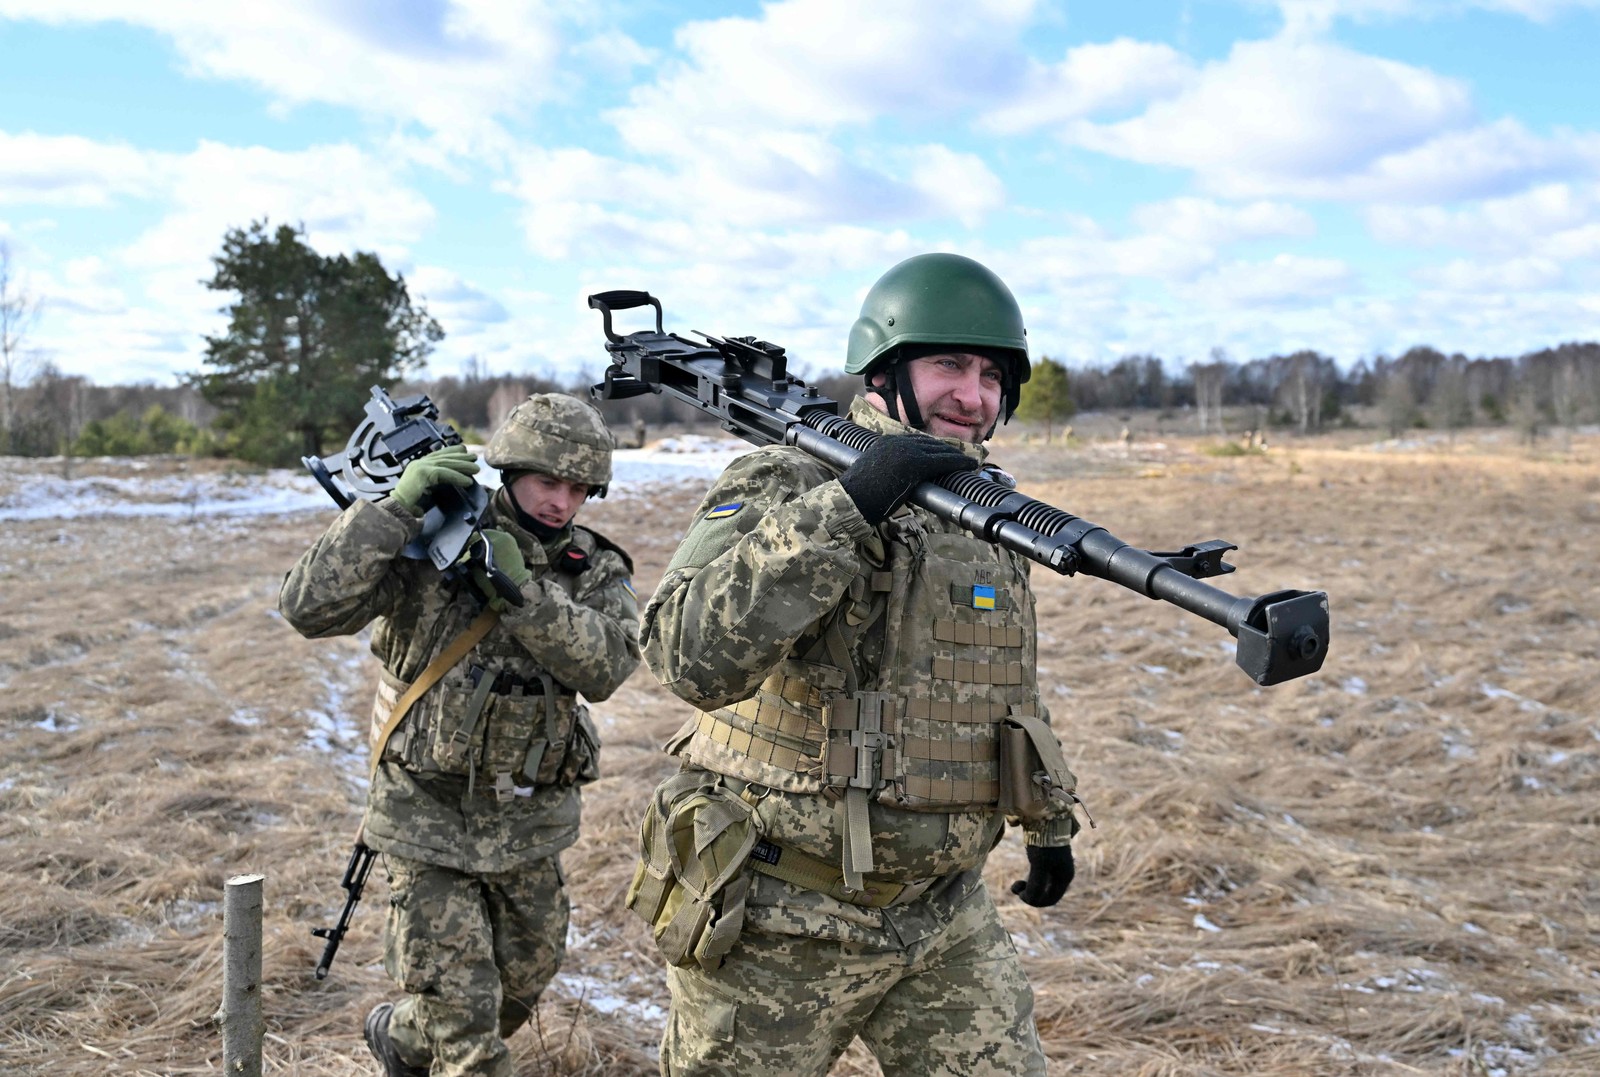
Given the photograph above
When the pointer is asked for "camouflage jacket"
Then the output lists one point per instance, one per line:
(585, 637)
(747, 591)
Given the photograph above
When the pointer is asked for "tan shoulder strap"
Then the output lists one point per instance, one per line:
(437, 668)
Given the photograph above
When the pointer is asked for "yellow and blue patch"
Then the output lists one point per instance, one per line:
(627, 585)
(982, 597)
(723, 511)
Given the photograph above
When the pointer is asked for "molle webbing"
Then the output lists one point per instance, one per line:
(966, 633)
(946, 669)
(978, 712)
(777, 725)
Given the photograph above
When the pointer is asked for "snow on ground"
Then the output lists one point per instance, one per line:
(693, 458)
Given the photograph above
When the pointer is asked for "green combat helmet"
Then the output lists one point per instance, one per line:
(932, 303)
(558, 435)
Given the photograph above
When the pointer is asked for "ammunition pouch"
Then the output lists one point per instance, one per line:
(690, 884)
(513, 732)
(1033, 772)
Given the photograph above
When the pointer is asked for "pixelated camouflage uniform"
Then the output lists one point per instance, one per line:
(478, 915)
(932, 985)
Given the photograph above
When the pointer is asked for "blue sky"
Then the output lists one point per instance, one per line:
(1356, 176)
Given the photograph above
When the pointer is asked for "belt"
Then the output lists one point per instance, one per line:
(810, 873)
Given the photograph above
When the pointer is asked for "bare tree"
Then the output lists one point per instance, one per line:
(1451, 405)
(1302, 388)
(1209, 379)
(63, 400)
(19, 309)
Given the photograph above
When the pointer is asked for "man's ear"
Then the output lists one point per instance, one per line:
(876, 380)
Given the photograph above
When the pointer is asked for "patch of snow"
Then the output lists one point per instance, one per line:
(601, 994)
(1356, 686)
(1203, 924)
(54, 723)
(284, 491)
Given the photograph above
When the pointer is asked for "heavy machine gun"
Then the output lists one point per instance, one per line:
(393, 434)
(744, 383)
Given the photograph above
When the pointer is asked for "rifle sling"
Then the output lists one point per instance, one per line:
(440, 665)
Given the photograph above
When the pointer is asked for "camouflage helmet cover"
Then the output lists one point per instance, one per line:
(940, 299)
(556, 434)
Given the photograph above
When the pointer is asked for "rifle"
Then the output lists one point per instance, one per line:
(354, 881)
(744, 383)
(394, 433)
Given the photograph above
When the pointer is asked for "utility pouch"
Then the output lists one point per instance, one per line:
(581, 763)
(454, 746)
(690, 884)
(1033, 772)
(516, 715)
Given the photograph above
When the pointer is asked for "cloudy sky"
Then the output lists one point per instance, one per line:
(1355, 176)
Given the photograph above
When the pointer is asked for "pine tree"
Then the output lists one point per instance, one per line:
(308, 336)
(1046, 396)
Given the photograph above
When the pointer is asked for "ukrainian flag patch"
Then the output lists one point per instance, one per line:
(722, 511)
(982, 597)
(627, 585)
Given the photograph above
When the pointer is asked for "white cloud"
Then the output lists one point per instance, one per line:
(128, 311)
(1283, 279)
(345, 198)
(462, 308)
(453, 66)
(819, 64)
(742, 129)
(1091, 79)
(1283, 115)
(66, 170)
(1508, 275)
(1314, 16)
(1200, 220)
(1560, 221)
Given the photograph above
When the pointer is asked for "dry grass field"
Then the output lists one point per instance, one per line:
(1388, 868)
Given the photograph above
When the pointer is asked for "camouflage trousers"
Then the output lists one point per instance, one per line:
(955, 1003)
(473, 952)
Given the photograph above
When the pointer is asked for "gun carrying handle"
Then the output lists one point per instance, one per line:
(625, 299)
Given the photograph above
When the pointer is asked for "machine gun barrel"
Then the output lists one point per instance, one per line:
(744, 383)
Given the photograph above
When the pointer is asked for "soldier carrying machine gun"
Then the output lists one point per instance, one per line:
(744, 383)
(394, 434)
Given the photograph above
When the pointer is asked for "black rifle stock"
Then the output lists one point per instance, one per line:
(744, 383)
(353, 883)
(394, 434)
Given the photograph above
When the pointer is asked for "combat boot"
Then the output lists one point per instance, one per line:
(382, 1047)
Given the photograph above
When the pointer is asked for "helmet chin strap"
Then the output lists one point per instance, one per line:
(896, 394)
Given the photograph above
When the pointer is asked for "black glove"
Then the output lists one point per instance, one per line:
(882, 476)
(1050, 872)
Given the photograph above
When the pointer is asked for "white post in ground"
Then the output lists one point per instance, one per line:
(239, 1016)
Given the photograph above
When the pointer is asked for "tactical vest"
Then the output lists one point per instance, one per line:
(951, 620)
(496, 717)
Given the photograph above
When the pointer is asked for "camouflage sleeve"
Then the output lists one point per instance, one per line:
(348, 576)
(771, 551)
(589, 642)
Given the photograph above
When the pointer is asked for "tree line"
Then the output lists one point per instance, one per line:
(308, 334)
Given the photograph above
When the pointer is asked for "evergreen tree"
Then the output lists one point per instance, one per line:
(1046, 396)
(308, 336)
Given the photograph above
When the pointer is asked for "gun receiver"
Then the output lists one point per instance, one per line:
(393, 434)
(353, 883)
(744, 384)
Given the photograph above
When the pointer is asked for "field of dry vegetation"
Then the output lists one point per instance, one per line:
(1387, 868)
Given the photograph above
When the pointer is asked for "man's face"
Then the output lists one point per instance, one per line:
(959, 394)
(551, 501)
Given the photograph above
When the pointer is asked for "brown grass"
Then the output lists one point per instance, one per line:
(1389, 868)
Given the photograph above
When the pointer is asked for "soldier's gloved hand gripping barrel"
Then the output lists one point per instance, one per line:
(884, 475)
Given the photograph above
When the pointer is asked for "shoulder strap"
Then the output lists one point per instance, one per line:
(440, 665)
